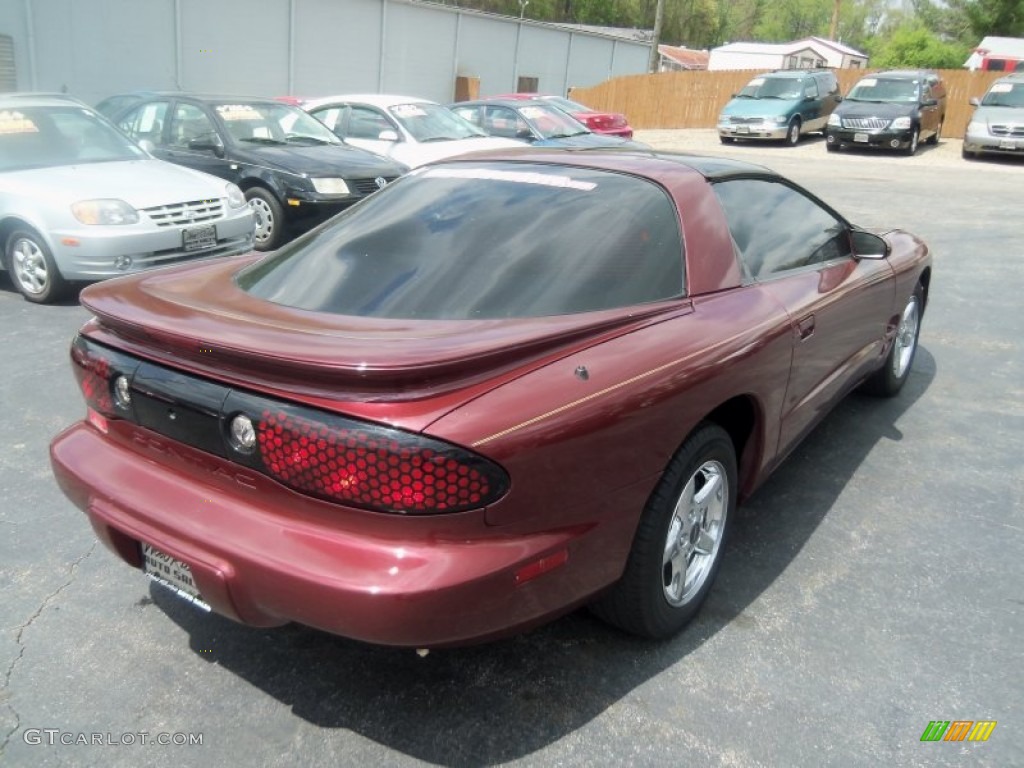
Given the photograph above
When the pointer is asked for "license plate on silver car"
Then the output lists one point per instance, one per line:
(861, 138)
(198, 238)
(1007, 145)
(171, 573)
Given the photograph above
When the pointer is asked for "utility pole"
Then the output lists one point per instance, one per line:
(834, 27)
(659, 18)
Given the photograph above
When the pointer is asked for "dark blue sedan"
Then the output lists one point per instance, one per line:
(538, 122)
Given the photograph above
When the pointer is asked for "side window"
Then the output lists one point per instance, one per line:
(329, 116)
(777, 229)
(188, 123)
(146, 122)
(810, 88)
(366, 123)
(502, 121)
(473, 114)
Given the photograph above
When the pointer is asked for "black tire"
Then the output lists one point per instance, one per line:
(934, 139)
(641, 602)
(968, 155)
(270, 224)
(726, 139)
(32, 268)
(793, 132)
(832, 147)
(911, 148)
(888, 380)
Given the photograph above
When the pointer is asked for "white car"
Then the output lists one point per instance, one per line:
(410, 130)
(79, 201)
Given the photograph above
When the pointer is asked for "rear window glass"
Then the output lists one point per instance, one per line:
(485, 240)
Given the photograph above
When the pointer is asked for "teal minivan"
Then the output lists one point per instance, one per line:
(780, 105)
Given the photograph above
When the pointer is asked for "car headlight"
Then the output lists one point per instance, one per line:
(901, 123)
(976, 127)
(104, 212)
(781, 119)
(235, 197)
(330, 186)
(835, 121)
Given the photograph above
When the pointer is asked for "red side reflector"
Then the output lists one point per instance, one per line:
(545, 564)
(98, 421)
(72, 241)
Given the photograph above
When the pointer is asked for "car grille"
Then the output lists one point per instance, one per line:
(1017, 131)
(865, 123)
(369, 186)
(746, 120)
(183, 214)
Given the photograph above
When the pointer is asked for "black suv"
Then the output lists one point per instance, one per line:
(894, 109)
(292, 169)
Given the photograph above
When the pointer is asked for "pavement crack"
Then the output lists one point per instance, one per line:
(6, 688)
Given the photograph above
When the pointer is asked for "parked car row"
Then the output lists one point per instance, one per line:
(894, 110)
(80, 202)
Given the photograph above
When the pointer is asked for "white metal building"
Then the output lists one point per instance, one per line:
(95, 48)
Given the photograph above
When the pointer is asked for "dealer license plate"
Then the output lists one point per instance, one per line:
(861, 138)
(1007, 145)
(171, 573)
(198, 238)
(742, 129)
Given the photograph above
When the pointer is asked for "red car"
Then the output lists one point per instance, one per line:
(499, 388)
(611, 123)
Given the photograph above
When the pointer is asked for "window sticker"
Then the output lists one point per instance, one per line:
(1001, 88)
(408, 110)
(755, 82)
(518, 177)
(238, 112)
(869, 82)
(12, 121)
(532, 113)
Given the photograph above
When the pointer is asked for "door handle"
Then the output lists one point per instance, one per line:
(805, 327)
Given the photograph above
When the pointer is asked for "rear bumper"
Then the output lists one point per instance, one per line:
(265, 556)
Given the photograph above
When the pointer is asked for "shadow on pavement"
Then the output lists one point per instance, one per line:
(507, 699)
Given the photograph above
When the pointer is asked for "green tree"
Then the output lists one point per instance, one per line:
(912, 45)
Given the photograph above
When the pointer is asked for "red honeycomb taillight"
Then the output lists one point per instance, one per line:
(373, 466)
(97, 368)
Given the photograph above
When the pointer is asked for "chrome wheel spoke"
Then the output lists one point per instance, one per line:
(705, 543)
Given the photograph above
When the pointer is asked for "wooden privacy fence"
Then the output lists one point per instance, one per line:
(694, 99)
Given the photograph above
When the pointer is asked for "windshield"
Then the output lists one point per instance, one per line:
(881, 89)
(432, 122)
(568, 106)
(772, 88)
(551, 122)
(485, 240)
(1004, 95)
(265, 123)
(44, 137)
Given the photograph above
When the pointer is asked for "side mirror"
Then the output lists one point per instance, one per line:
(867, 245)
(388, 135)
(838, 98)
(974, 101)
(209, 142)
(809, 98)
(525, 135)
(929, 102)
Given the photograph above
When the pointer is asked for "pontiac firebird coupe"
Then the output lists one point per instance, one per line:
(502, 387)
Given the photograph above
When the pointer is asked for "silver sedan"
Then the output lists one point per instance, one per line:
(80, 202)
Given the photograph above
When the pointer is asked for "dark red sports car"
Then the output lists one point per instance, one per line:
(499, 388)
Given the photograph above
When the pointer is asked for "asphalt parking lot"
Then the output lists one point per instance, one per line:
(873, 585)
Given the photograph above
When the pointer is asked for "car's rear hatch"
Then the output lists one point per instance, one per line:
(197, 318)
